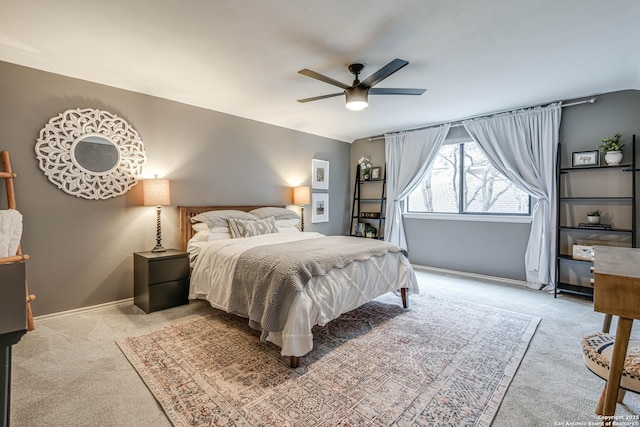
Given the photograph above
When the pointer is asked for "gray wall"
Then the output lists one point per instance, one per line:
(81, 250)
(497, 249)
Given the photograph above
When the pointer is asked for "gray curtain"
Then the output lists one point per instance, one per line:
(409, 158)
(523, 145)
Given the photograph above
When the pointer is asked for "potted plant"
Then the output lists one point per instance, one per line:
(593, 216)
(613, 149)
(370, 231)
(365, 167)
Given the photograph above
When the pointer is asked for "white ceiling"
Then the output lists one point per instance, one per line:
(241, 57)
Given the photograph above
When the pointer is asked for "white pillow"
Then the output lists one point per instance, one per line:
(277, 213)
(200, 226)
(287, 222)
(221, 230)
(201, 236)
(248, 228)
(219, 236)
(215, 233)
(288, 229)
(219, 218)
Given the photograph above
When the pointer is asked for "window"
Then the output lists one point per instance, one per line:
(461, 172)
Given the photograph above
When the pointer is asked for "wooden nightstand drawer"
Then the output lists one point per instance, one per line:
(161, 279)
(167, 270)
(170, 294)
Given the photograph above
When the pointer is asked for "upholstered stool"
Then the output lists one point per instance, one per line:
(597, 348)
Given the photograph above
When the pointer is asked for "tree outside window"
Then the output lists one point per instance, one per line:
(461, 172)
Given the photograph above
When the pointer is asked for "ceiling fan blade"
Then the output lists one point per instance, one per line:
(383, 73)
(322, 78)
(395, 91)
(315, 98)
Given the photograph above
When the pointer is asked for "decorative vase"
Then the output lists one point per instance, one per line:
(366, 177)
(593, 219)
(613, 157)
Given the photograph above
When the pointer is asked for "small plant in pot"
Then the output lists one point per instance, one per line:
(370, 231)
(612, 148)
(593, 216)
(365, 167)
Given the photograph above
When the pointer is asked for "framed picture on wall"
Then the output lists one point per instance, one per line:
(320, 207)
(320, 174)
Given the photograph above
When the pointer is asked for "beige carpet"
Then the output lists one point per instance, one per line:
(441, 362)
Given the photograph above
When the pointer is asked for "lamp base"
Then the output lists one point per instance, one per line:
(158, 247)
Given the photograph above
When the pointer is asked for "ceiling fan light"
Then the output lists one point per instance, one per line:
(357, 98)
(357, 105)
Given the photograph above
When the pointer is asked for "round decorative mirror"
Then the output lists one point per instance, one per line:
(95, 154)
(90, 153)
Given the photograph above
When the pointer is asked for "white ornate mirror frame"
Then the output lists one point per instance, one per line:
(90, 153)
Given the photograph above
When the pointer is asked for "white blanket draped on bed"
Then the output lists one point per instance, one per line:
(323, 299)
(10, 232)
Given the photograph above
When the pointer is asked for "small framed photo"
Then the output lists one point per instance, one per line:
(585, 158)
(319, 174)
(375, 173)
(320, 207)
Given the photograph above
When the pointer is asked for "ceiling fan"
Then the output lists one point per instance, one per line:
(357, 95)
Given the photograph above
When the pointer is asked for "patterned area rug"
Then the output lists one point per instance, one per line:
(439, 363)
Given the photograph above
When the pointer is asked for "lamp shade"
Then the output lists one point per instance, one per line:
(301, 195)
(156, 192)
(357, 98)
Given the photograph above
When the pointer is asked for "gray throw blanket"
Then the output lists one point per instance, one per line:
(267, 278)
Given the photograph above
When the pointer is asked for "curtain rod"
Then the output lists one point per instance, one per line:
(457, 123)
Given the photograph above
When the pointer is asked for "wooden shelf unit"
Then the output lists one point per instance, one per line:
(575, 276)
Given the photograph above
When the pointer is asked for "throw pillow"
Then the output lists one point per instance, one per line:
(248, 228)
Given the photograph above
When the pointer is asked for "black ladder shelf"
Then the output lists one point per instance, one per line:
(369, 216)
(575, 275)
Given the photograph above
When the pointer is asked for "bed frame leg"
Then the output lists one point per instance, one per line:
(294, 361)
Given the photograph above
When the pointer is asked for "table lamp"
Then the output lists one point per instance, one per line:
(156, 192)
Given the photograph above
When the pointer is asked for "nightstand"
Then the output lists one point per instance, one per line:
(161, 279)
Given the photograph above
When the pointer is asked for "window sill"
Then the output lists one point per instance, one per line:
(513, 219)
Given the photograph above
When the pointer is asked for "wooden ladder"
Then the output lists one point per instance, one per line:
(9, 176)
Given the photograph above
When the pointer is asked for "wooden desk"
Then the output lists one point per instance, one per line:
(617, 292)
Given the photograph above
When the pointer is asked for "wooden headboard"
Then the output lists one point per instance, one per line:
(188, 212)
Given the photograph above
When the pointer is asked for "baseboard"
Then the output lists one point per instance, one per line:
(126, 301)
(473, 275)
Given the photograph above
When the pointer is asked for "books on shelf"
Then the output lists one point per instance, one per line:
(363, 229)
(595, 226)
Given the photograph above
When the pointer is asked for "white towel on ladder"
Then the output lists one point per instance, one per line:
(10, 232)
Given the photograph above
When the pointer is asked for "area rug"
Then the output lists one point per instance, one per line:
(439, 363)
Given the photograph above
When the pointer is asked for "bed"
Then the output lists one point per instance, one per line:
(252, 261)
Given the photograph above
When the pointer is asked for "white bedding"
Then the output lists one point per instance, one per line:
(322, 300)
